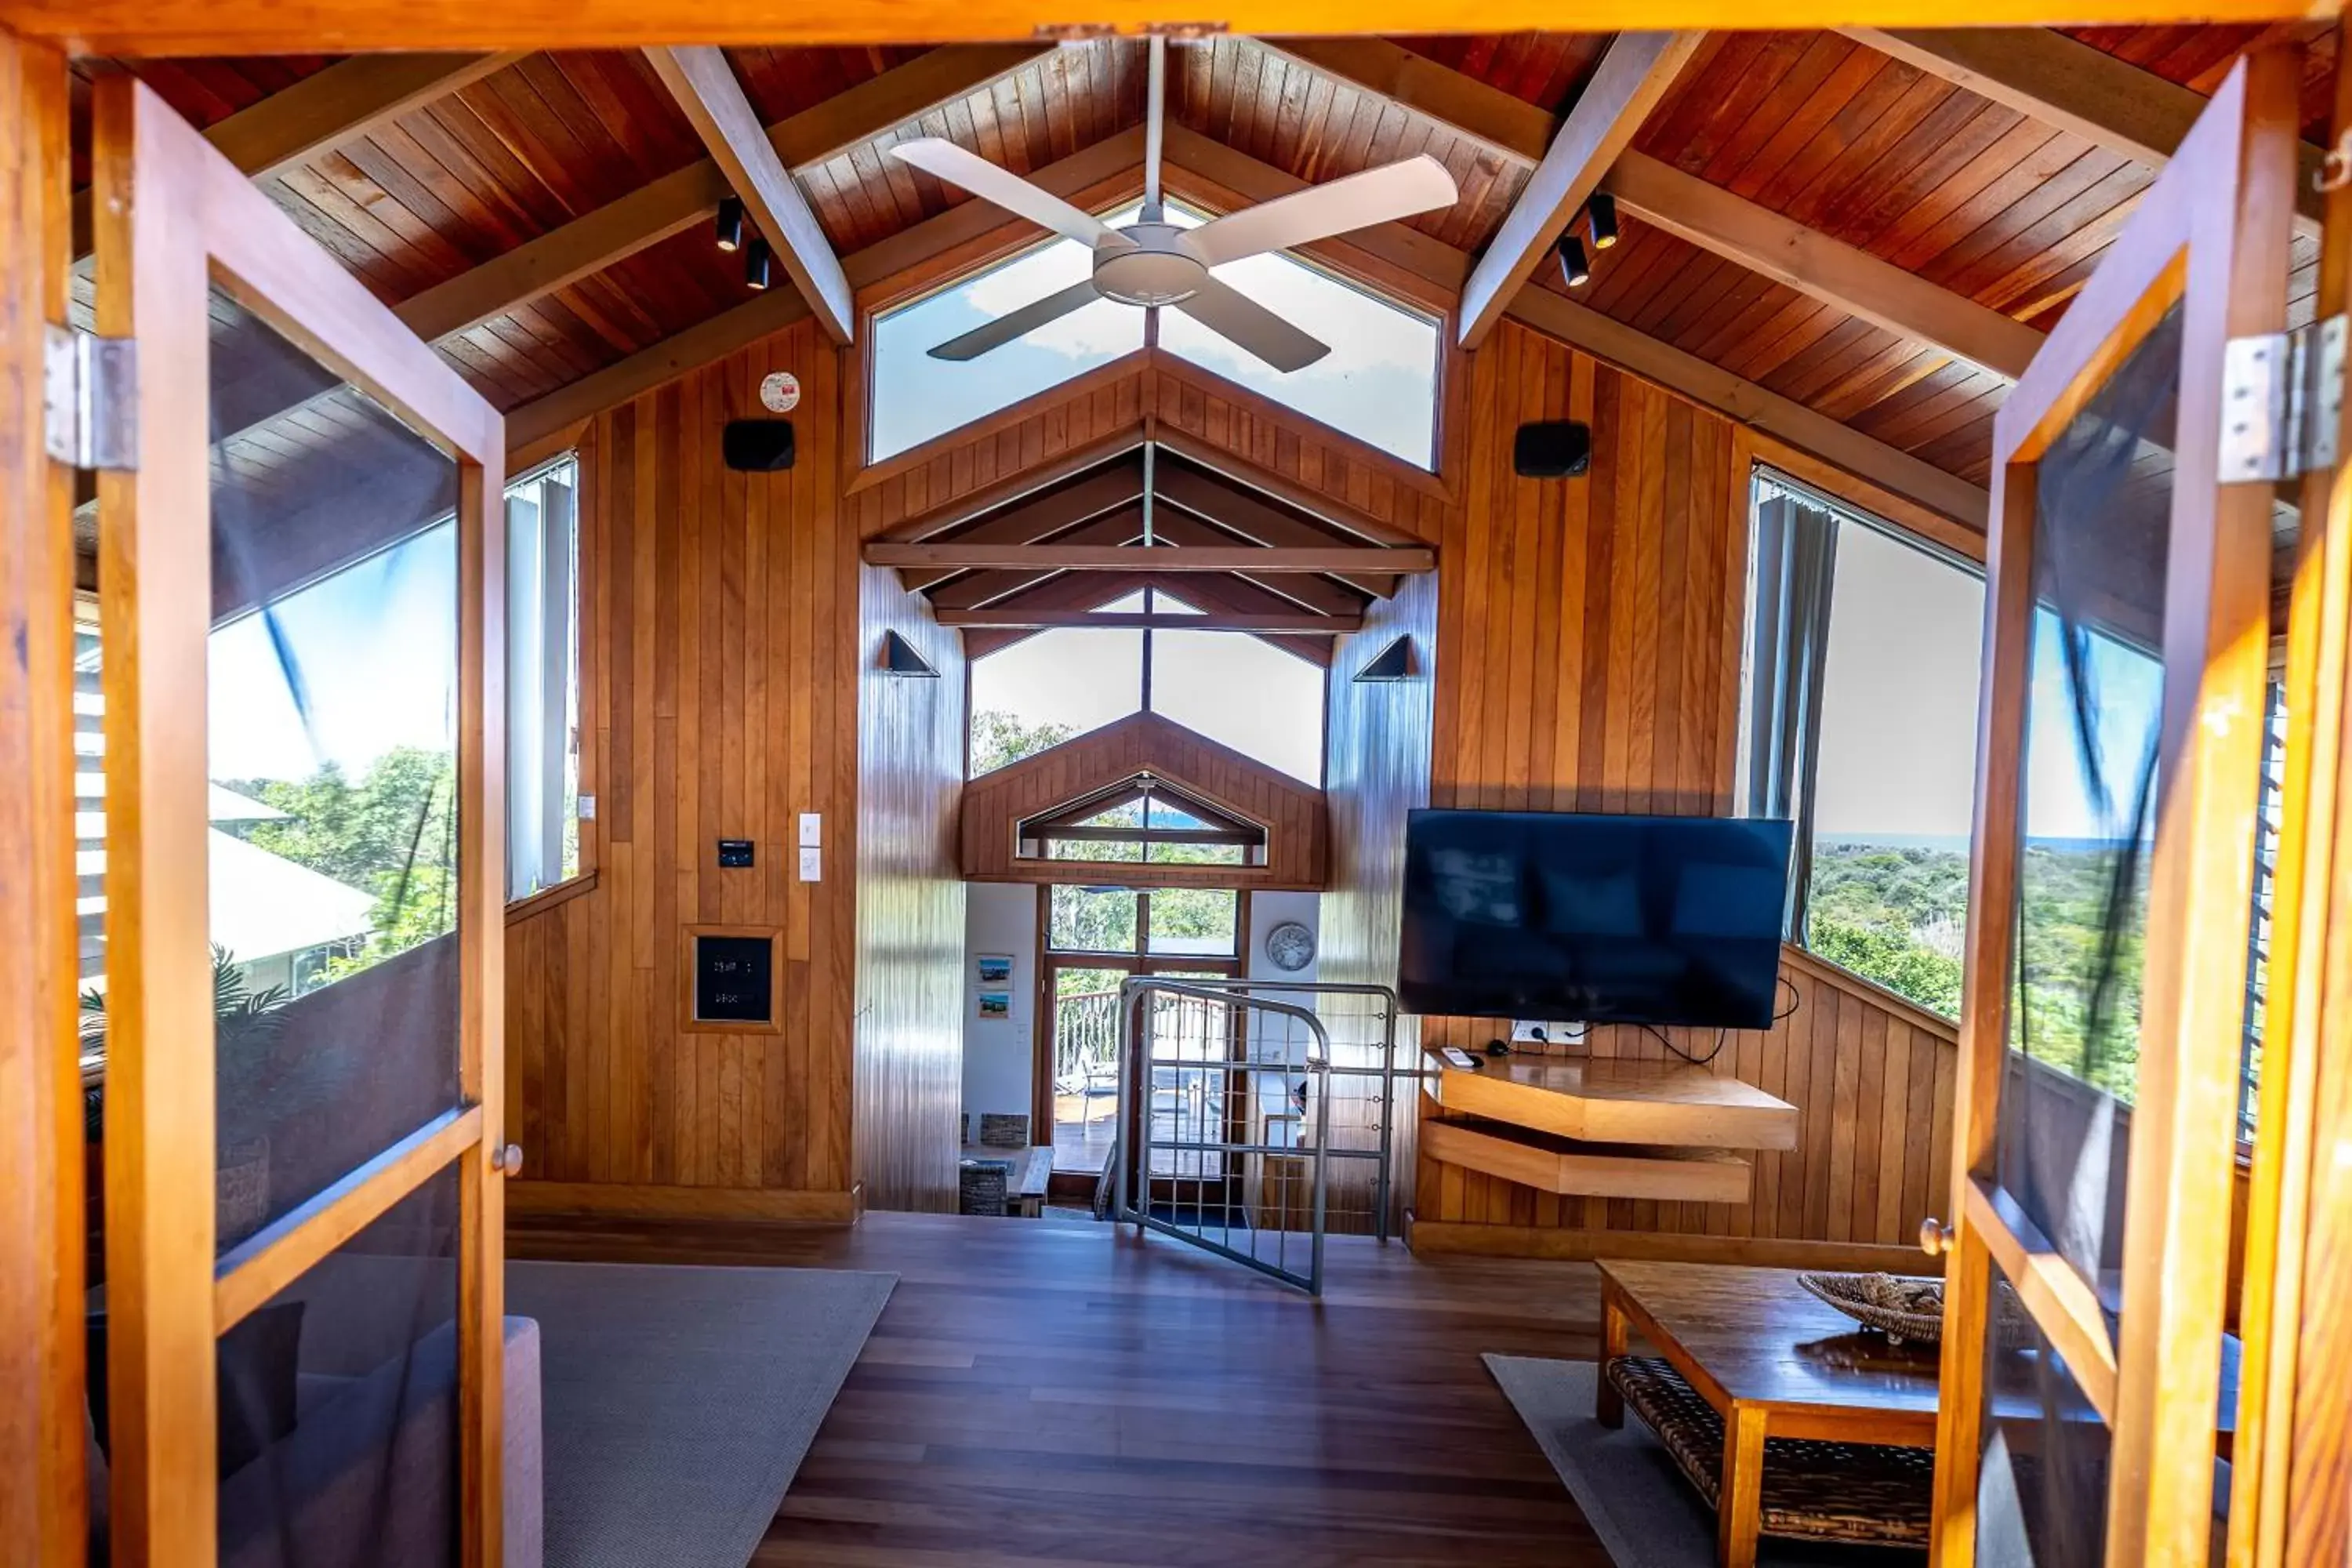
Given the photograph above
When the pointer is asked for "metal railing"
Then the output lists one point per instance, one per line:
(1085, 1043)
(1226, 1126)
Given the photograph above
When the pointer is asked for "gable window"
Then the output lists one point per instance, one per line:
(1060, 684)
(1858, 719)
(1379, 382)
(916, 398)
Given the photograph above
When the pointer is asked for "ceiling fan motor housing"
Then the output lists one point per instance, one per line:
(1152, 268)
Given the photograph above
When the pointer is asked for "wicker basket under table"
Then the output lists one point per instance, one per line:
(1859, 1492)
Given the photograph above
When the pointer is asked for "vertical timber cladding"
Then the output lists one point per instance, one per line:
(718, 625)
(1588, 658)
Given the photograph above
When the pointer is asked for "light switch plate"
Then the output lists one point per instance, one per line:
(812, 865)
(812, 829)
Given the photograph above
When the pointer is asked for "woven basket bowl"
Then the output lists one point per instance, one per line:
(1902, 1309)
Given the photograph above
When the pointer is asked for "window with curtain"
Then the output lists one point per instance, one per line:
(1859, 722)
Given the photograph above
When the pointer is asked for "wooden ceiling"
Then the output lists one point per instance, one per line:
(545, 216)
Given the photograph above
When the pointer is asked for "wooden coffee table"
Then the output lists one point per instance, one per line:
(1773, 1362)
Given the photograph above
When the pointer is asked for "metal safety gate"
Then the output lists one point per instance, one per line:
(1242, 1129)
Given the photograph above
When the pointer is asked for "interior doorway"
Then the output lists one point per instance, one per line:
(1090, 940)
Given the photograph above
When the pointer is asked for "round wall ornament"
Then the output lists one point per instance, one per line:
(1291, 946)
(780, 392)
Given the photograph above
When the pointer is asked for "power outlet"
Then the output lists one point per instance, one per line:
(1542, 1032)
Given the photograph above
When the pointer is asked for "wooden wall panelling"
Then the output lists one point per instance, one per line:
(719, 699)
(1297, 847)
(1588, 658)
(43, 1476)
(910, 905)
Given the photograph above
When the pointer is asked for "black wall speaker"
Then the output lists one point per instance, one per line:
(758, 445)
(1553, 449)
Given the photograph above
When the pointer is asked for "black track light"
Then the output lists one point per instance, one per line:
(730, 223)
(1602, 212)
(755, 264)
(1572, 265)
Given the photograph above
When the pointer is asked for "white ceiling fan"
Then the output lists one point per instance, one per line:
(1153, 262)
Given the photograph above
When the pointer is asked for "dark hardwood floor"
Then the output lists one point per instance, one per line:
(1057, 1393)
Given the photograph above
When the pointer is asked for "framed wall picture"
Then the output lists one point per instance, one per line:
(992, 968)
(995, 1005)
(730, 979)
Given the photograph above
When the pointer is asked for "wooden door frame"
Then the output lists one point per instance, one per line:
(43, 1473)
(2211, 235)
(1140, 961)
(2292, 1471)
(173, 218)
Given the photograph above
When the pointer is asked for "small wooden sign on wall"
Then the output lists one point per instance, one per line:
(730, 978)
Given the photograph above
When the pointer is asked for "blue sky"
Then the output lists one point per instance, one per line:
(1899, 705)
(375, 647)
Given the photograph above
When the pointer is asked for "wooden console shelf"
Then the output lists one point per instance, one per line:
(1554, 1164)
(1603, 1099)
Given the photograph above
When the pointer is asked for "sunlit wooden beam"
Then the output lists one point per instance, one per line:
(646, 216)
(1810, 262)
(1624, 87)
(705, 87)
(329, 109)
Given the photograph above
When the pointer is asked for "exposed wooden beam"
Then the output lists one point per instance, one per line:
(1496, 120)
(211, 27)
(1249, 559)
(1839, 445)
(1042, 517)
(652, 212)
(342, 103)
(328, 110)
(2075, 87)
(1812, 263)
(970, 224)
(674, 356)
(1170, 525)
(1237, 510)
(1624, 87)
(1207, 621)
(712, 339)
(705, 87)
(972, 590)
(1697, 210)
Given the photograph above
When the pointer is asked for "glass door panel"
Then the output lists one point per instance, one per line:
(304, 879)
(2111, 885)
(331, 742)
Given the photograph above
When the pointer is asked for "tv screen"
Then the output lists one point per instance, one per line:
(1600, 918)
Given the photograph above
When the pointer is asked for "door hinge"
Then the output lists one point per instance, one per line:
(2282, 398)
(90, 399)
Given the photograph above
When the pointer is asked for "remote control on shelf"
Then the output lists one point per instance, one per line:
(1456, 1056)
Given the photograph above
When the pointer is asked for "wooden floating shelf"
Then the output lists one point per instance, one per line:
(1554, 1164)
(1605, 1100)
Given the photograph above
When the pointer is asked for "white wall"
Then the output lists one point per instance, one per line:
(999, 1054)
(1269, 910)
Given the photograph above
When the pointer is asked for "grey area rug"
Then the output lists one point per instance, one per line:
(1644, 1513)
(678, 1401)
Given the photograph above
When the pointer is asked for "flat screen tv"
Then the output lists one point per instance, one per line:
(1601, 919)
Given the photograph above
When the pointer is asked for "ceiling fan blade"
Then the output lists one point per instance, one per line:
(943, 159)
(1375, 195)
(1231, 314)
(1018, 323)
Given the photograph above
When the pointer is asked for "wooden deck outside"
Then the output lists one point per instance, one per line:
(1043, 1393)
